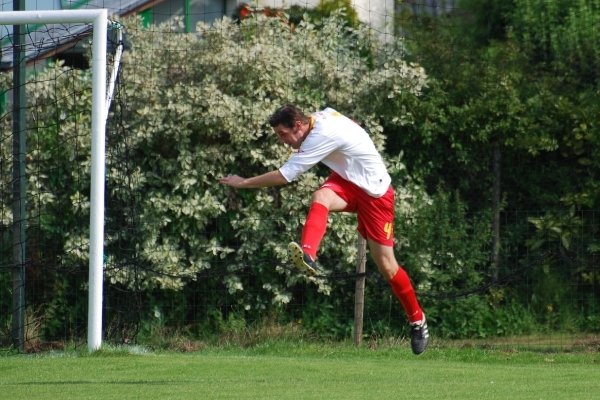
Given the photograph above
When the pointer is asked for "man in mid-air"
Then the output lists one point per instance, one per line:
(359, 183)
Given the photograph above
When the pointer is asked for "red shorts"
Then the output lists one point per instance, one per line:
(375, 215)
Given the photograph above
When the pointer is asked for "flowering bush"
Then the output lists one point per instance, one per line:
(192, 108)
(200, 104)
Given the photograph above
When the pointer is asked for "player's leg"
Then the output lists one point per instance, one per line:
(324, 200)
(303, 256)
(331, 196)
(401, 287)
(375, 222)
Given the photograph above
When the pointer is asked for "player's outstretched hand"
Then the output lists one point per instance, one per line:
(233, 181)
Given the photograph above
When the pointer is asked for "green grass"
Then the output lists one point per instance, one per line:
(281, 370)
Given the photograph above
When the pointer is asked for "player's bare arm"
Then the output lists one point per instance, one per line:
(273, 178)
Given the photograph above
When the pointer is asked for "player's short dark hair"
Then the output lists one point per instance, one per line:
(287, 115)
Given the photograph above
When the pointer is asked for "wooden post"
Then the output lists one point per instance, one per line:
(359, 294)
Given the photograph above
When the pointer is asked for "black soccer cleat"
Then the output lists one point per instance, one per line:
(419, 336)
(302, 260)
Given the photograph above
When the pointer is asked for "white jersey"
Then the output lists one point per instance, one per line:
(345, 147)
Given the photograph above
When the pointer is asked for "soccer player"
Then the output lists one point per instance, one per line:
(359, 183)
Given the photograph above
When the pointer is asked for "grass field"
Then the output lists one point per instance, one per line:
(284, 370)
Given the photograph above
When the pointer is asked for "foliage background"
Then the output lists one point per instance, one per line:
(185, 253)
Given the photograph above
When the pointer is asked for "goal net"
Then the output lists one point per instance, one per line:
(57, 84)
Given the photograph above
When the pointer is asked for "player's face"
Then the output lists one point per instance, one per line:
(290, 136)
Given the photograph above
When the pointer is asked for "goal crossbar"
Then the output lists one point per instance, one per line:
(99, 20)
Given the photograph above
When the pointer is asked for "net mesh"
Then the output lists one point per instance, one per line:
(58, 161)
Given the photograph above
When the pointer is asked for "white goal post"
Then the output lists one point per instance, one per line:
(100, 104)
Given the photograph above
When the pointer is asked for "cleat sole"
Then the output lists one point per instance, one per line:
(297, 256)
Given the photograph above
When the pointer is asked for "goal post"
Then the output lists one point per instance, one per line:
(100, 104)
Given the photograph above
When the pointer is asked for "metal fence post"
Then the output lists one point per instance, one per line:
(19, 183)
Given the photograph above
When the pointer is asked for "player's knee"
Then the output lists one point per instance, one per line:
(388, 271)
(319, 196)
(325, 197)
(329, 199)
(387, 264)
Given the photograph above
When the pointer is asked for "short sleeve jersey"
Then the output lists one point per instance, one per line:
(346, 148)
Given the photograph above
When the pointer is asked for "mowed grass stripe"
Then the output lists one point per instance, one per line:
(175, 376)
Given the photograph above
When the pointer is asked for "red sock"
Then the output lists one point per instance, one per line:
(404, 291)
(314, 228)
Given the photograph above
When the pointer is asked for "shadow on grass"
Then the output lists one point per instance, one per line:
(168, 382)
